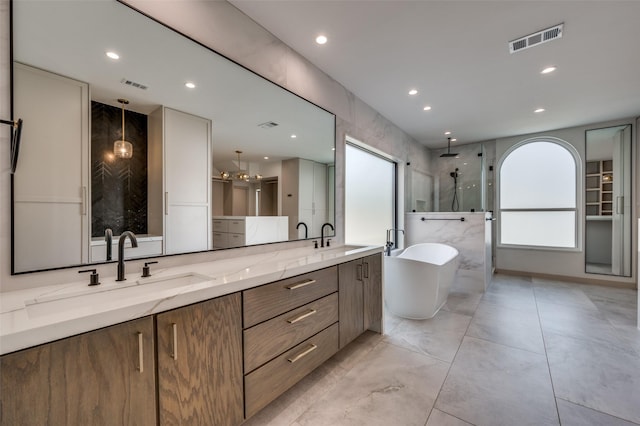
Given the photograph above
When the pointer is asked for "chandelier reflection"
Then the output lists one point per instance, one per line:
(240, 174)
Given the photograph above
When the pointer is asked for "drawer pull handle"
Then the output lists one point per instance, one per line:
(300, 284)
(303, 353)
(174, 349)
(140, 353)
(301, 317)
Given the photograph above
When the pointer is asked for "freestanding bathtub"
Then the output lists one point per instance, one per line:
(418, 279)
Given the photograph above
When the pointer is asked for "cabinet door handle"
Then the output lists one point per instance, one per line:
(366, 269)
(84, 201)
(174, 349)
(166, 203)
(359, 272)
(300, 284)
(620, 205)
(301, 317)
(140, 353)
(302, 354)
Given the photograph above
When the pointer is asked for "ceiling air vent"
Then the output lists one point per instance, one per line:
(535, 39)
(268, 125)
(134, 84)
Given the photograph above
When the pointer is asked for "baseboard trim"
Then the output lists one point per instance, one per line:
(580, 280)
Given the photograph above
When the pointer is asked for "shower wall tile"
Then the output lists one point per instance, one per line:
(469, 237)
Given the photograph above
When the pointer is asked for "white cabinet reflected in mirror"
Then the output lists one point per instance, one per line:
(184, 182)
(608, 201)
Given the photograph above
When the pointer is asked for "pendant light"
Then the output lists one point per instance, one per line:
(123, 148)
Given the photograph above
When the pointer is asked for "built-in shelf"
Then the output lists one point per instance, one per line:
(599, 188)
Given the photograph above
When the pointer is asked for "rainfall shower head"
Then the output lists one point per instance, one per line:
(449, 153)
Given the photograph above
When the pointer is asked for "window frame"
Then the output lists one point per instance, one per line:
(578, 210)
(398, 174)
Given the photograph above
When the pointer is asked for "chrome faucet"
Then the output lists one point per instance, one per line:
(322, 234)
(390, 243)
(108, 237)
(306, 230)
(134, 243)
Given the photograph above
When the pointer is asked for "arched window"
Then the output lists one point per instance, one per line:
(537, 194)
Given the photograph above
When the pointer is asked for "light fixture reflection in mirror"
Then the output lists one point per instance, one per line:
(123, 148)
(240, 174)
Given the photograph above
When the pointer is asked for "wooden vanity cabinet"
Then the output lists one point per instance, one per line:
(372, 292)
(98, 378)
(360, 289)
(218, 362)
(291, 327)
(200, 363)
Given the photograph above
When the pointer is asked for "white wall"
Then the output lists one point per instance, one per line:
(225, 29)
(565, 263)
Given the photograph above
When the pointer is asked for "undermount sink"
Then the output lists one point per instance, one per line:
(179, 280)
(94, 297)
(346, 247)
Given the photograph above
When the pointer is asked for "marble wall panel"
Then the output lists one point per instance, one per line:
(469, 237)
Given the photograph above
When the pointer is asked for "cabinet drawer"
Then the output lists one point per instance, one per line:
(236, 226)
(269, 381)
(236, 240)
(265, 302)
(220, 225)
(220, 240)
(268, 339)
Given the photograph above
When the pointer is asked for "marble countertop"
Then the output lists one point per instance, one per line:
(39, 315)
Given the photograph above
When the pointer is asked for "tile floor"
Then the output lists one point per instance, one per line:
(526, 352)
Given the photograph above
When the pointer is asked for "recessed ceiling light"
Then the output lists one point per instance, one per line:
(548, 70)
(113, 55)
(293, 136)
(190, 85)
(333, 149)
(447, 133)
(266, 158)
(539, 110)
(453, 139)
(413, 92)
(321, 39)
(427, 108)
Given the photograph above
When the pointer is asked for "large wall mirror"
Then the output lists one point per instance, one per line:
(608, 201)
(129, 125)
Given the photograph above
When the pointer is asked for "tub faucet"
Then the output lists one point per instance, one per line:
(306, 230)
(390, 243)
(134, 243)
(322, 233)
(108, 237)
